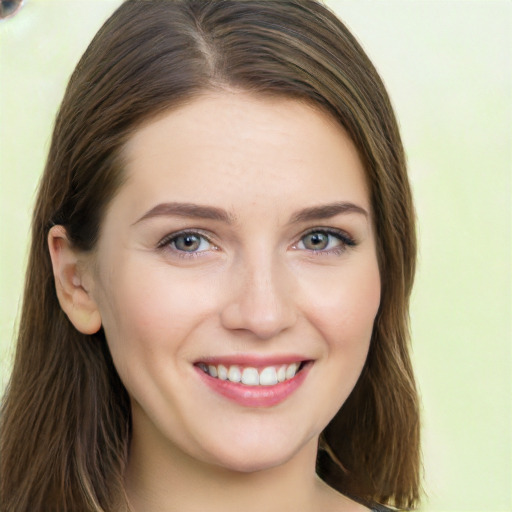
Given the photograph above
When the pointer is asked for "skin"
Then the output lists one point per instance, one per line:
(257, 286)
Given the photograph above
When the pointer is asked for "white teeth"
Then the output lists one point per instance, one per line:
(234, 374)
(268, 377)
(281, 373)
(250, 377)
(222, 372)
(291, 371)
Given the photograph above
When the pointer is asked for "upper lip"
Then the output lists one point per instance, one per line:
(253, 360)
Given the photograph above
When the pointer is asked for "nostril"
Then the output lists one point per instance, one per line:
(258, 313)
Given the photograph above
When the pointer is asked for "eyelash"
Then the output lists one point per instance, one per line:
(169, 241)
(346, 241)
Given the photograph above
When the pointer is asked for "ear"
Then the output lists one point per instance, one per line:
(71, 277)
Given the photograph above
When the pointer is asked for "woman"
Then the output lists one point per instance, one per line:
(223, 249)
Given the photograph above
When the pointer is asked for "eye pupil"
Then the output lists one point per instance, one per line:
(187, 243)
(316, 241)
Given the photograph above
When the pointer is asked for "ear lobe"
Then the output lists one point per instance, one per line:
(69, 271)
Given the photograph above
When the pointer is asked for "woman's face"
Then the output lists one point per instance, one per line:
(240, 247)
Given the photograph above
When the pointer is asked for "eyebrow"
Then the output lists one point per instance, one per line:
(327, 211)
(189, 210)
(196, 211)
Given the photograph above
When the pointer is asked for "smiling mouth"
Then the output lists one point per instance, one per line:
(251, 376)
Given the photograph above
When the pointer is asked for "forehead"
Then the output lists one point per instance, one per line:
(238, 149)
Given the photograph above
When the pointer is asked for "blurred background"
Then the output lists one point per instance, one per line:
(448, 68)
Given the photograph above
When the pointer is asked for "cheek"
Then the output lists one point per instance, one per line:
(342, 310)
(149, 318)
(146, 312)
(344, 306)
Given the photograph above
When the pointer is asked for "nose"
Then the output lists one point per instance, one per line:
(261, 299)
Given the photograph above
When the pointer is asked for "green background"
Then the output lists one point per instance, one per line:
(448, 68)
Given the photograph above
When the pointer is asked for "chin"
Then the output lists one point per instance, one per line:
(257, 456)
(248, 464)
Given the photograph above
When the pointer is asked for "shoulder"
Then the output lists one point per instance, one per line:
(333, 501)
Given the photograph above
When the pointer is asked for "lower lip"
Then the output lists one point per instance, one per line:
(255, 396)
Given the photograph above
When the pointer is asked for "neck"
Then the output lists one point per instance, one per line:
(170, 480)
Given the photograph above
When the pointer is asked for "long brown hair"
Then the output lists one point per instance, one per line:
(65, 419)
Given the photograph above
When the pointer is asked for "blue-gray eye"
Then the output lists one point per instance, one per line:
(322, 240)
(190, 242)
(317, 241)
